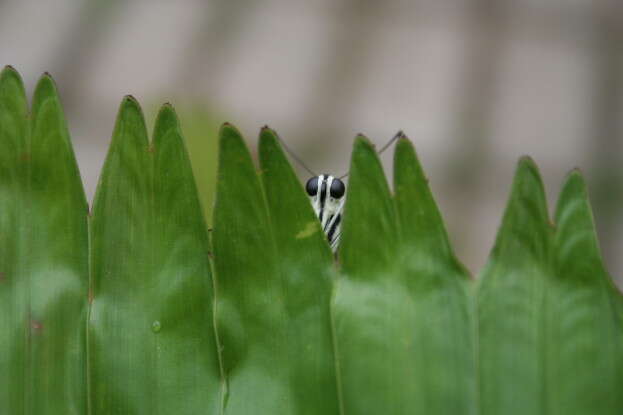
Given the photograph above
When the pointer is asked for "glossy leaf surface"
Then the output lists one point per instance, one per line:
(272, 308)
(43, 256)
(549, 317)
(403, 326)
(123, 312)
(151, 343)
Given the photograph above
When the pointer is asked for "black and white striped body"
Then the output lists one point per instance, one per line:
(326, 193)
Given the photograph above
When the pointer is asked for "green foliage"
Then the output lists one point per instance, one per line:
(151, 345)
(121, 311)
(273, 272)
(43, 256)
(403, 319)
(548, 312)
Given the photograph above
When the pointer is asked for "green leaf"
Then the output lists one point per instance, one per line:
(273, 270)
(444, 325)
(585, 343)
(402, 317)
(43, 256)
(550, 318)
(14, 284)
(511, 302)
(122, 314)
(151, 344)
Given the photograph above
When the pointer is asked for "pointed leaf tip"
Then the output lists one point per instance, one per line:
(527, 162)
(228, 130)
(575, 175)
(268, 132)
(527, 171)
(526, 208)
(363, 141)
(9, 70)
(130, 100)
(166, 121)
(573, 188)
(166, 115)
(404, 142)
(130, 125)
(46, 87)
(268, 144)
(130, 104)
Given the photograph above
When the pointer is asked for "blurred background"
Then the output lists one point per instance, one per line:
(474, 83)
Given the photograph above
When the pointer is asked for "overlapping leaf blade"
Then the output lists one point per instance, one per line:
(394, 332)
(14, 284)
(151, 343)
(585, 336)
(405, 340)
(43, 256)
(273, 272)
(550, 319)
(511, 301)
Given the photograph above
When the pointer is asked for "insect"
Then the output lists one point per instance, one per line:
(327, 195)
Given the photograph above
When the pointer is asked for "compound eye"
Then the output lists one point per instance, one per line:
(312, 186)
(337, 188)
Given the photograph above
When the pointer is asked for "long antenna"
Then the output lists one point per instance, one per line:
(295, 157)
(391, 141)
(398, 135)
